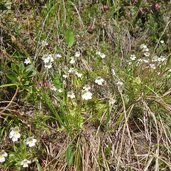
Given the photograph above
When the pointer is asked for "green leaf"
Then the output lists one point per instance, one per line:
(12, 77)
(69, 38)
(69, 155)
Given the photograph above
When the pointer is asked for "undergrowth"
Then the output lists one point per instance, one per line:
(85, 85)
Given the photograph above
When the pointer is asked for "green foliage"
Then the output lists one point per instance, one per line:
(69, 38)
(69, 155)
(57, 97)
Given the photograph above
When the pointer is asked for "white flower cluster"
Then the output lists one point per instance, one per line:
(3, 155)
(133, 57)
(73, 59)
(99, 81)
(15, 135)
(86, 94)
(145, 49)
(73, 71)
(158, 59)
(48, 59)
(71, 95)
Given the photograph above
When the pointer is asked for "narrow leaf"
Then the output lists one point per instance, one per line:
(69, 38)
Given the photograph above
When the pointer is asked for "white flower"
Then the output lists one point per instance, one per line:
(130, 63)
(47, 58)
(161, 41)
(102, 55)
(3, 154)
(58, 55)
(71, 70)
(152, 66)
(155, 58)
(146, 50)
(119, 83)
(31, 141)
(49, 65)
(27, 61)
(64, 76)
(112, 101)
(147, 54)
(86, 88)
(72, 61)
(161, 59)
(145, 60)
(79, 75)
(99, 81)
(14, 134)
(71, 95)
(25, 163)
(133, 57)
(113, 72)
(44, 43)
(77, 54)
(53, 88)
(86, 95)
(143, 46)
(60, 90)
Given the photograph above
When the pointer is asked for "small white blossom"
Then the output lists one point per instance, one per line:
(3, 154)
(44, 43)
(161, 41)
(147, 54)
(49, 65)
(113, 72)
(58, 55)
(14, 134)
(112, 101)
(130, 63)
(152, 66)
(79, 75)
(146, 50)
(77, 54)
(133, 57)
(119, 83)
(102, 55)
(86, 95)
(64, 75)
(143, 46)
(72, 61)
(71, 95)
(25, 163)
(145, 60)
(31, 141)
(47, 58)
(53, 88)
(161, 59)
(99, 81)
(71, 71)
(155, 58)
(27, 61)
(86, 88)
(60, 90)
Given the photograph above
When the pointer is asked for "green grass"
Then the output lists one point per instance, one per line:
(50, 55)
